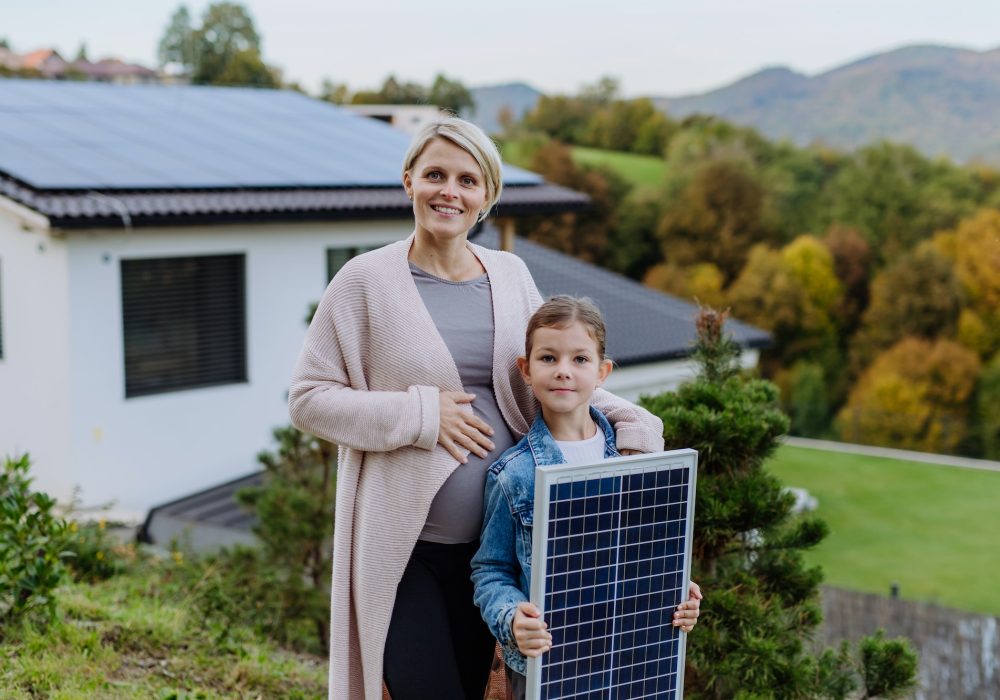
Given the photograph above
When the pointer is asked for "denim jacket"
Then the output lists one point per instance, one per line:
(501, 569)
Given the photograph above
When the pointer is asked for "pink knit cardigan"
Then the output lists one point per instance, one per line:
(368, 379)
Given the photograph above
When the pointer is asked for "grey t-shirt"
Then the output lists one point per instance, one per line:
(463, 314)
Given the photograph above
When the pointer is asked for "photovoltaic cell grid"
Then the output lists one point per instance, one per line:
(613, 540)
(60, 135)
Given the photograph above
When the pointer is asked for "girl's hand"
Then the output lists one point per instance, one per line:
(530, 631)
(686, 616)
(461, 431)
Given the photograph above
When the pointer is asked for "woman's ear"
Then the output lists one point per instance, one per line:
(522, 364)
(408, 185)
(603, 371)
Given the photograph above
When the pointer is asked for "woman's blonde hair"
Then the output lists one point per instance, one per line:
(471, 139)
(562, 311)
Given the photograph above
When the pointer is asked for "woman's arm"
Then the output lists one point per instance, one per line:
(635, 428)
(321, 402)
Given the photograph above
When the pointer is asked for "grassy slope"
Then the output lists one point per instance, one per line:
(932, 529)
(136, 636)
(641, 171)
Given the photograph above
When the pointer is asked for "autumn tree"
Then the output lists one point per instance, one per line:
(701, 283)
(581, 234)
(974, 249)
(794, 294)
(988, 409)
(919, 295)
(762, 609)
(915, 395)
(852, 263)
(717, 217)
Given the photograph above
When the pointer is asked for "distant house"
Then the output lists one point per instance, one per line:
(408, 118)
(160, 247)
(47, 63)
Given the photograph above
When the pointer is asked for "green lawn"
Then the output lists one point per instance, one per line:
(933, 529)
(641, 171)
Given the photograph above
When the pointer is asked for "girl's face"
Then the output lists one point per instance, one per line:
(448, 190)
(564, 369)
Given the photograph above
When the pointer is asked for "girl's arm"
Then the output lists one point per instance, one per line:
(495, 569)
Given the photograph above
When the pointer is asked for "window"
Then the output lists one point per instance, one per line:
(184, 323)
(337, 257)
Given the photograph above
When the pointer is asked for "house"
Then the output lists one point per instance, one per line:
(47, 63)
(650, 337)
(160, 248)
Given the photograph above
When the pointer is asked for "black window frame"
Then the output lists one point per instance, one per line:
(346, 253)
(184, 322)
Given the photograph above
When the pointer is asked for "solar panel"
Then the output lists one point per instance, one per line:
(102, 136)
(611, 561)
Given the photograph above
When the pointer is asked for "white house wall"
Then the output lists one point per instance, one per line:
(658, 377)
(35, 368)
(147, 450)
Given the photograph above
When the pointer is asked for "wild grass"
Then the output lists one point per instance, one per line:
(139, 635)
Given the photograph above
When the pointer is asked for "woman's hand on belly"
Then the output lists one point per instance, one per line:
(461, 431)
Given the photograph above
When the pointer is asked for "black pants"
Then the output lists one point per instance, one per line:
(438, 646)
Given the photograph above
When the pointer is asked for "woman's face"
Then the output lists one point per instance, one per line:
(447, 188)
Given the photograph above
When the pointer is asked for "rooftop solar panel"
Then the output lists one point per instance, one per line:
(611, 561)
(190, 137)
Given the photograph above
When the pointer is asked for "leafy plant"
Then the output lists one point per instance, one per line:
(32, 546)
(761, 603)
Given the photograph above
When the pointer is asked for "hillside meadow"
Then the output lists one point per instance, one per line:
(929, 528)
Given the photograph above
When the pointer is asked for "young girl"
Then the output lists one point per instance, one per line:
(564, 363)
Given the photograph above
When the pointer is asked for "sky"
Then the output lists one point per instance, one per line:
(654, 47)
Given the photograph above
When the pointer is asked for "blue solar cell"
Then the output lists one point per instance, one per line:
(615, 552)
(194, 137)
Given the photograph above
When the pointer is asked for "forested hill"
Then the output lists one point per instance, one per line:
(942, 100)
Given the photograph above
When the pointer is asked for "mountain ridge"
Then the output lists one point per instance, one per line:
(940, 99)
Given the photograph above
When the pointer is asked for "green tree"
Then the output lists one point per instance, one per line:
(392, 92)
(450, 95)
(717, 217)
(177, 45)
(227, 48)
(632, 243)
(762, 608)
(337, 93)
(896, 198)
